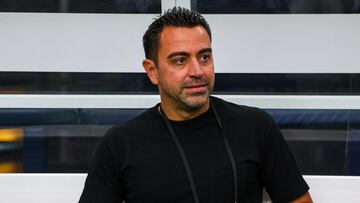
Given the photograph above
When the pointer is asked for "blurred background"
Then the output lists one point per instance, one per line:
(265, 51)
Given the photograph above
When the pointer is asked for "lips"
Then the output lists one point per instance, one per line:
(193, 86)
(198, 88)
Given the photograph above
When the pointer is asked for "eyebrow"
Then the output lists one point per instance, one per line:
(179, 53)
(205, 50)
(183, 53)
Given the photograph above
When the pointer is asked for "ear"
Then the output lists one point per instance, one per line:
(151, 70)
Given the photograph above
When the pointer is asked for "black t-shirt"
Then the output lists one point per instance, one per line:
(139, 162)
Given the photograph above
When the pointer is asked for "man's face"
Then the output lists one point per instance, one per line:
(185, 66)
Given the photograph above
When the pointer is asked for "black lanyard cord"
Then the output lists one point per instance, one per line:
(183, 157)
(229, 151)
(186, 162)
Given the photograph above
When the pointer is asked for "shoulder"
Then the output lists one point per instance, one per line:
(231, 110)
(136, 126)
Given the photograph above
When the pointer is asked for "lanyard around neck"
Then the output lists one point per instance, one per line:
(186, 162)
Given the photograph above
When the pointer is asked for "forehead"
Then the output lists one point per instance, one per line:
(183, 39)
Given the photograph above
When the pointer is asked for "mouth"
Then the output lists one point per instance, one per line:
(196, 85)
(198, 88)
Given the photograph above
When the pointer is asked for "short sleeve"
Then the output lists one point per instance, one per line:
(280, 174)
(103, 182)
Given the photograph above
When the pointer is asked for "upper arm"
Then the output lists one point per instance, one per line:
(103, 183)
(280, 174)
(305, 198)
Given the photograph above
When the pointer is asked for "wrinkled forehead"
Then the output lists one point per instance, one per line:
(183, 38)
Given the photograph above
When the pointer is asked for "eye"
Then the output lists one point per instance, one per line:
(205, 57)
(179, 60)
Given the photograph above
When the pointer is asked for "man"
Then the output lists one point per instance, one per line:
(191, 147)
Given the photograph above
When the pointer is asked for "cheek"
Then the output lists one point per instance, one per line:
(210, 73)
(175, 77)
(169, 80)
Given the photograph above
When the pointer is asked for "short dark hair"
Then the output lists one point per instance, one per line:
(175, 17)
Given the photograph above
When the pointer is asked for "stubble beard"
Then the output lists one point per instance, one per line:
(188, 102)
(194, 101)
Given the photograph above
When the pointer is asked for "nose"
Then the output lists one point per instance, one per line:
(195, 69)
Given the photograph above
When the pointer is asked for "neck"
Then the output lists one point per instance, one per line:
(178, 114)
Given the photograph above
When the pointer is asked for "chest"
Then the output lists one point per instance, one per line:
(156, 172)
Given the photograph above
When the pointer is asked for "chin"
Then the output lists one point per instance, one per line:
(196, 102)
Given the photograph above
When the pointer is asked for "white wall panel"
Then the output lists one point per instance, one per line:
(72, 42)
(242, 43)
(147, 101)
(67, 188)
(286, 43)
